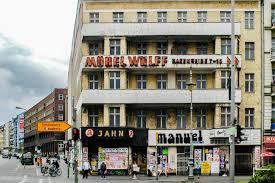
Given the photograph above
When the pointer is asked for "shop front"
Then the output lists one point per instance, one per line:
(269, 150)
(118, 148)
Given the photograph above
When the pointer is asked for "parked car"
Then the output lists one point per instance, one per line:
(27, 159)
(5, 153)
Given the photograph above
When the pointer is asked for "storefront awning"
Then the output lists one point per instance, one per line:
(268, 154)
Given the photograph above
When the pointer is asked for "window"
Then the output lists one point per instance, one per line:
(162, 17)
(181, 81)
(94, 17)
(202, 48)
(182, 16)
(118, 17)
(161, 118)
(181, 118)
(225, 116)
(114, 80)
(273, 108)
(225, 79)
(273, 75)
(93, 81)
(226, 46)
(114, 117)
(249, 82)
(93, 117)
(202, 16)
(141, 48)
(161, 81)
(115, 47)
(182, 48)
(201, 81)
(225, 16)
(249, 19)
(93, 49)
(249, 117)
(141, 81)
(60, 96)
(142, 17)
(60, 117)
(60, 107)
(141, 119)
(249, 50)
(161, 48)
(201, 118)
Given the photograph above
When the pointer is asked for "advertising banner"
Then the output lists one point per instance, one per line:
(205, 167)
(197, 158)
(114, 158)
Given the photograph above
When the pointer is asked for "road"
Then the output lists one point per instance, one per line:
(11, 171)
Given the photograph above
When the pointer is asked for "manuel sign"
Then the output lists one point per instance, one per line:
(132, 61)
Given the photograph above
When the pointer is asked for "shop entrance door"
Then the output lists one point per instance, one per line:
(182, 163)
(243, 164)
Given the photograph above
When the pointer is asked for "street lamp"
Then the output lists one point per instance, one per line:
(190, 85)
(20, 108)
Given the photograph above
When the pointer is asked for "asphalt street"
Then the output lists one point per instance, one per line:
(11, 171)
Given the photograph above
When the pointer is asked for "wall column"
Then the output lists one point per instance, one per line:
(122, 115)
(171, 80)
(170, 46)
(123, 79)
(106, 121)
(106, 46)
(106, 80)
(218, 45)
(123, 46)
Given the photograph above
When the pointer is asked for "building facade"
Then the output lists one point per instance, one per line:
(51, 108)
(1, 137)
(6, 135)
(129, 71)
(18, 133)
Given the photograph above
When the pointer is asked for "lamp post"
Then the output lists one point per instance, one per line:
(191, 162)
(20, 108)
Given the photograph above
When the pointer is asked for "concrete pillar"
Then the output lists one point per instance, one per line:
(85, 81)
(106, 80)
(123, 79)
(217, 122)
(170, 46)
(122, 115)
(218, 45)
(85, 120)
(106, 121)
(106, 46)
(123, 46)
(217, 83)
(171, 79)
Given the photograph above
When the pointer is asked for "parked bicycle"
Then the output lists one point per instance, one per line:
(52, 171)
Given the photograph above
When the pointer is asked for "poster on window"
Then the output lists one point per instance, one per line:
(114, 158)
(205, 167)
(222, 163)
(197, 158)
(215, 167)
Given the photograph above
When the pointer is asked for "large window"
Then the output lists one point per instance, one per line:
(225, 116)
(60, 96)
(273, 109)
(60, 117)
(225, 16)
(141, 48)
(142, 17)
(225, 79)
(249, 82)
(181, 81)
(162, 17)
(161, 81)
(181, 118)
(114, 80)
(182, 48)
(93, 48)
(202, 49)
(93, 81)
(182, 16)
(114, 116)
(249, 51)
(94, 17)
(249, 117)
(115, 47)
(202, 16)
(226, 46)
(141, 81)
(201, 118)
(162, 48)
(201, 81)
(118, 17)
(93, 117)
(249, 19)
(273, 75)
(161, 118)
(60, 107)
(141, 118)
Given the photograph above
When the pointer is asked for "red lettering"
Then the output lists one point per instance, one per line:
(142, 61)
(164, 61)
(90, 61)
(157, 60)
(100, 61)
(151, 61)
(133, 61)
(108, 61)
(122, 64)
(116, 61)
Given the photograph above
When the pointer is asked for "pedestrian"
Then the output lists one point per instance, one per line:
(135, 170)
(103, 170)
(85, 169)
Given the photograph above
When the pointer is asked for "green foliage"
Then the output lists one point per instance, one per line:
(264, 176)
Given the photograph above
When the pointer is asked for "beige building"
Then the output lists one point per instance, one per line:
(129, 69)
(1, 138)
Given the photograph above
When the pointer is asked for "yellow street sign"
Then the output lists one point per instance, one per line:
(52, 126)
(157, 137)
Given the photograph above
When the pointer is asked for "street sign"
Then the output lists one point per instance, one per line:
(230, 131)
(52, 126)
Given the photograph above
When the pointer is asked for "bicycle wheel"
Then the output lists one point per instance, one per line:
(59, 172)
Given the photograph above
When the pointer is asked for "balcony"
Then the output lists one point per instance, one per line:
(210, 96)
(159, 29)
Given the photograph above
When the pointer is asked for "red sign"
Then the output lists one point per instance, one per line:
(269, 139)
(21, 124)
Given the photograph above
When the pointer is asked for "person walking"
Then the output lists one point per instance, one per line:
(103, 170)
(86, 167)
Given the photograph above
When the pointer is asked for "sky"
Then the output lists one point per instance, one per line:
(35, 45)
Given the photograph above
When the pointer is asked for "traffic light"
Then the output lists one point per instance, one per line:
(240, 134)
(75, 134)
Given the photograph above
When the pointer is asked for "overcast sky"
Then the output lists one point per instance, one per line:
(35, 42)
